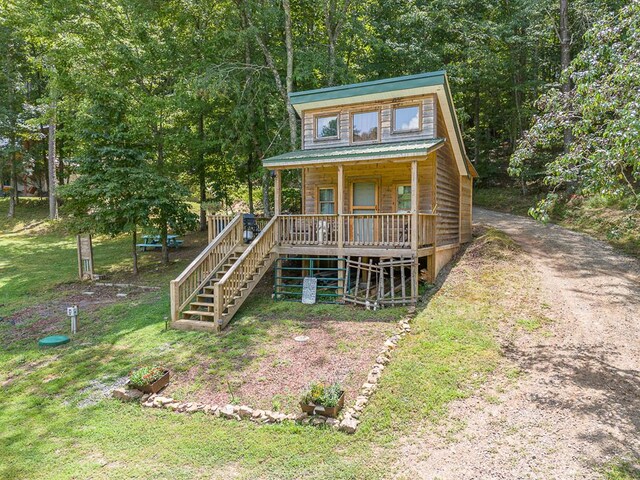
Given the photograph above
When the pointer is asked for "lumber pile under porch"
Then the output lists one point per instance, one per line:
(376, 284)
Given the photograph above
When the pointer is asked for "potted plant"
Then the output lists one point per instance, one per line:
(149, 379)
(322, 399)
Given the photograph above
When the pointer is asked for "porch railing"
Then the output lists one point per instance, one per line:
(308, 229)
(217, 223)
(426, 229)
(392, 230)
(377, 230)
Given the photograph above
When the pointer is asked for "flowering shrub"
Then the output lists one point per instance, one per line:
(145, 376)
(320, 394)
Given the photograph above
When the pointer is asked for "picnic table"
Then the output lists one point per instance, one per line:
(155, 241)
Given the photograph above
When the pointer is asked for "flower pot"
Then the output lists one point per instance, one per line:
(158, 385)
(314, 409)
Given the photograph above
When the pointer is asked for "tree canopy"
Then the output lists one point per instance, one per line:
(195, 94)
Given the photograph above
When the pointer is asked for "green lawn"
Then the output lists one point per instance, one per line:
(46, 431)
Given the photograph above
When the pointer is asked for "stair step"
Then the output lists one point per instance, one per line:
(202, 304)
(206, 295)
(199, 312)
(198, 325)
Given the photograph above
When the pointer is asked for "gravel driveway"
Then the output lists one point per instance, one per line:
(576, 406)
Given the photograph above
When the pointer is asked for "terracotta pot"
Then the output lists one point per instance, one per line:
(158, 385)
(314, 409)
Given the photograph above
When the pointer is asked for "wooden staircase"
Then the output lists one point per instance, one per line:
(216, 284)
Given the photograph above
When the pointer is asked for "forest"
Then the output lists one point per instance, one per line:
(149, 104)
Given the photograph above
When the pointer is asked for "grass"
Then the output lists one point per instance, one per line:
(505, 199)
(54, 424)
(616, 222)
(622, 470)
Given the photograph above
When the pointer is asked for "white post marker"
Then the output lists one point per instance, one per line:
(73, 313)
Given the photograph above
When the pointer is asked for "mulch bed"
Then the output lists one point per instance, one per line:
(279, 368)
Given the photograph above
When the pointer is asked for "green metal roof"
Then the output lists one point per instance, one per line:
(377, 151)
(367, 88)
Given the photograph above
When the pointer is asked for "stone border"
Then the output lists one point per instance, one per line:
(349, 417)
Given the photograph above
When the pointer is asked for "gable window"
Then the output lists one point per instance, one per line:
(364, 126)
(403, 198)
(406, 119)
(326, 201)
(327, 126)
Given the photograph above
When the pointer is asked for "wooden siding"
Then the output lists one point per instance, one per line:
(387, 175)
(447, 190)
(385, 108)
(466, 194)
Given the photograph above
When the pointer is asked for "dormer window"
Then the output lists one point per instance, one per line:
(327, 126)
(364, 127)
(406, 119)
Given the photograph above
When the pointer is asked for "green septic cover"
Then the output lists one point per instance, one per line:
(53, 341)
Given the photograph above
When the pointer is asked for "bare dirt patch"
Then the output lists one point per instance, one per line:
(51, 318)
(272, 373)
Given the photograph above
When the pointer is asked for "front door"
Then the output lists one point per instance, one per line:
(364, 198)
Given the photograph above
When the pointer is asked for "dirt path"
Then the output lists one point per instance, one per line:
(576, 405)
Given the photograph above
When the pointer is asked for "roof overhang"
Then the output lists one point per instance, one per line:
(361, 153)
(435, 83)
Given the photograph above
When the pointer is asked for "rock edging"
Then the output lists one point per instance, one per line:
(349, 418)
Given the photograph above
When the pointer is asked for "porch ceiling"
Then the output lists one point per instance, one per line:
(370, 152)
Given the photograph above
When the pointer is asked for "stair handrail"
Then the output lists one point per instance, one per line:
(204, 266)
(260, 247)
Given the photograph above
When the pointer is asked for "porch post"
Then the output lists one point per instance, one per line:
(340, 205)
(340, 208)
(415, 217)
(277, 201)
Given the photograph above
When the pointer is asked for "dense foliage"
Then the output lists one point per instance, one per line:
(197, 92)
(601, 111)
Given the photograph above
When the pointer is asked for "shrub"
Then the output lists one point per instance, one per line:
(320, 394)
(145, 376)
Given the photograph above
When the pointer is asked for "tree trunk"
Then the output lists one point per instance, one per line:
(266, 183)
(284, 90)
(53, 204)
(476, 125)
(60, 161)
(13, 193)
(202, 174)
(565, 59)
(134, 251)
(165, 246)
(164, 229)
(249, 181)
(293, 122)
(333, 20)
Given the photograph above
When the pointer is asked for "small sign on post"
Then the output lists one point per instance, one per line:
(309, 290)
(85, 257)
(72, 312)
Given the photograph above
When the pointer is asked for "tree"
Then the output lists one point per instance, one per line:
(602, 114)
(117, 193)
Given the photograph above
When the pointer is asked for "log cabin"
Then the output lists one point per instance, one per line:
(386, 201)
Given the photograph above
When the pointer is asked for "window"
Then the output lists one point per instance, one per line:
(403, 198)
(406, 119)
(327, 126)
(326, 201)
(364, 127)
